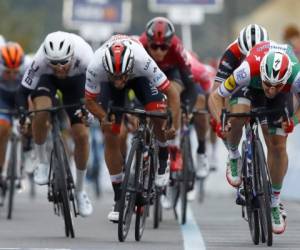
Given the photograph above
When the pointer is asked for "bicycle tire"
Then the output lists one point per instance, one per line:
(128, 196)
(184, 187)
(252, 213)
(157, 210)
(143, 211)
(11, 177)
(60, 155)
(264, 186)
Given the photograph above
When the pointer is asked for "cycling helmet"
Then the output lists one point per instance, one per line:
(58, 46)
(250, 36)
(160, 30)
(275, 68)
(12, 55)
(118, 59)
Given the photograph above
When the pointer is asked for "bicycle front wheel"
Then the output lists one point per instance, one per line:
(60, 160)
(249, 186)
(264, 189)
(147, 186)
(129, 187)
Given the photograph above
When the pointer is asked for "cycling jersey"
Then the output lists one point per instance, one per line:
(203, 74)
(230, 60)
(248, 73)
(144, 66)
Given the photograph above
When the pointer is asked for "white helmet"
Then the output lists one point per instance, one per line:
(250, 36)
(58, 46)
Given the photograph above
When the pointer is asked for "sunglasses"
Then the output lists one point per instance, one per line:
(269, 85)
(63, 62)
(123, 77)
(162, 47)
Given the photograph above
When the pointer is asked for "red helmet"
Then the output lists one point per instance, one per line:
(118, 59)
(160, 30)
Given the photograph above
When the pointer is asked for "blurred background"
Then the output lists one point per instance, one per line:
(29, 21)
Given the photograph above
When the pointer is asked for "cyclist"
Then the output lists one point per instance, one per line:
(167, 50)
(204, 77)
(265, 78)
(122, 63)
(60, 63)
(13, 63)
(233, 56)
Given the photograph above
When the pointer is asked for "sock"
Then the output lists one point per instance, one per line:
(163, 155)
(275, 197)
(42, 153)
(117, 190)
(233, 151)
(80, 175)
(201, 147)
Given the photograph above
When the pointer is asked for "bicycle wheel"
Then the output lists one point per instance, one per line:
(157, 208)
(264, 189)
(11, 177)
(146, 181)
(60, 161)
(184, 187)
(129, 186)
(249, 185)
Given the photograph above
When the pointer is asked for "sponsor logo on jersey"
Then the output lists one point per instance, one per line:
(147, 64)
(30, 75)
(92, 72)
(241, 75)
(154, 70)
(157, 78)
(230, 84)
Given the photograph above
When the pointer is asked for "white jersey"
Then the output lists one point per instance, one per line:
(83, 53)
(12, 85)
(144, 66)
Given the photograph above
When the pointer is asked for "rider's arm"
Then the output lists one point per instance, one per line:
(173, 104)
(95, 108)
(239, 79)
(22, 96)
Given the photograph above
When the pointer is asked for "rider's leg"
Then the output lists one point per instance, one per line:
(201, 127)
(233, 171)
(278, 165)
(40, 128)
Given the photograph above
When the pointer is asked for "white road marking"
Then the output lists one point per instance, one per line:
(192, 237)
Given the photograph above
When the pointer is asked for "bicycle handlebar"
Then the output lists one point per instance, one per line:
(254, 113)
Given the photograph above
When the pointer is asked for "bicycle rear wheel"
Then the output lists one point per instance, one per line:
(157, 208)
(249, 185)
(129, 186)
(61, 161)
(264, 189)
